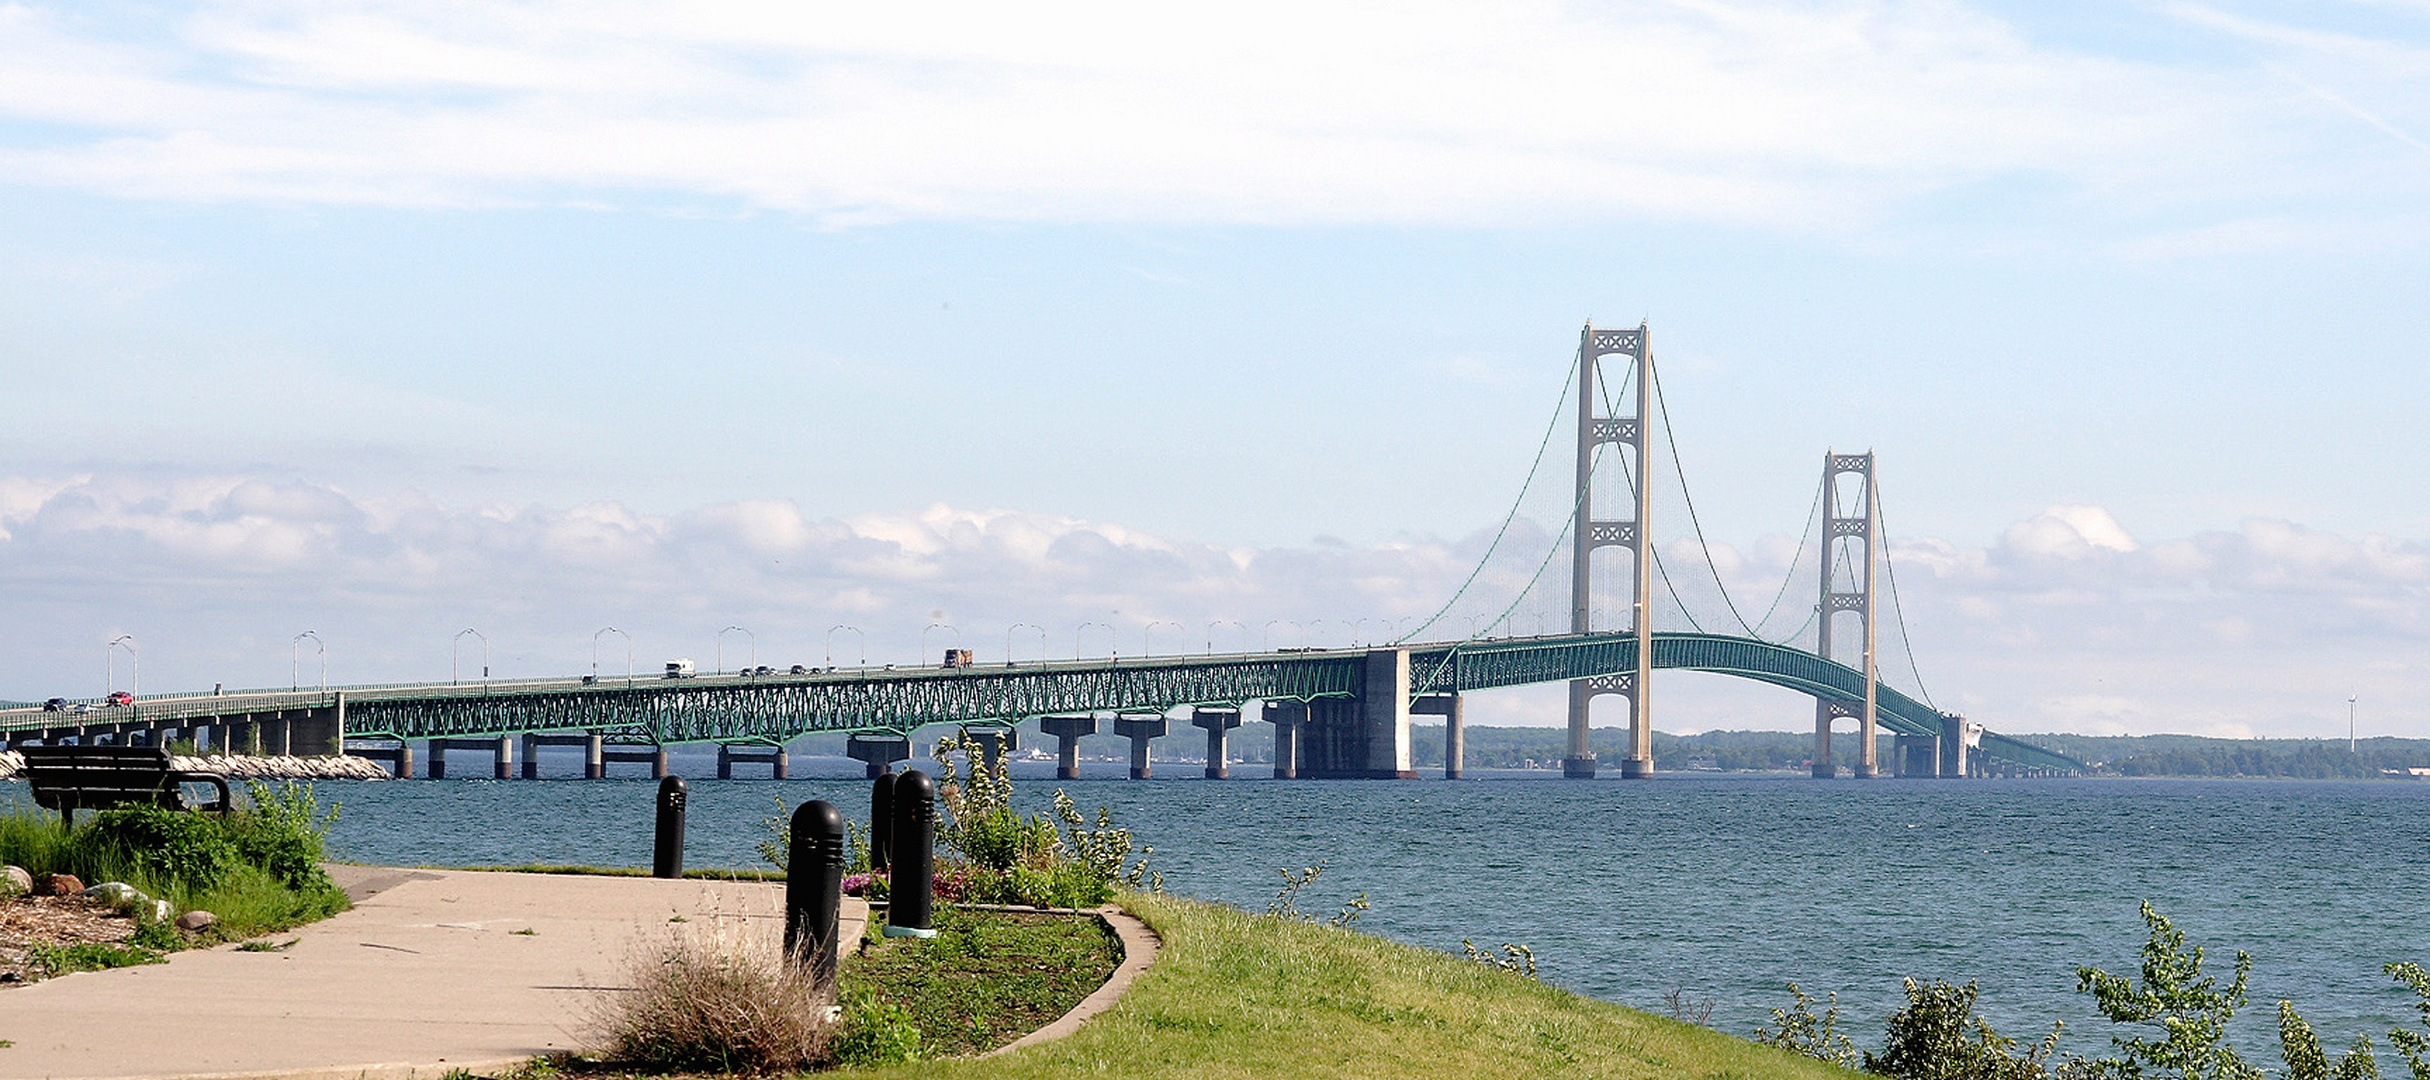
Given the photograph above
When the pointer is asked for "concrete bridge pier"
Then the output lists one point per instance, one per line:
(731, 754)
(993, 743)
(399, 757)
(275, 732)
(1916, 755)
(594, 765)
(1139, 730)
(652, 754)
(501, 748)
(1958, 741)
(240, 737)
(1455, 739)
(879, 752)
(1218, 724)
(1287, 718)
(1067, 731)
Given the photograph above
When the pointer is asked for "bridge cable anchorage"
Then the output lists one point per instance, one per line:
(1561, 404)
(1813, 515)
(1890, 566)
(1670, 438)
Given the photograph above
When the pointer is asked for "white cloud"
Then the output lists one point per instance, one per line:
(1805, 116)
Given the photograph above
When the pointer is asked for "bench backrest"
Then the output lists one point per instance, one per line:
(99, 777)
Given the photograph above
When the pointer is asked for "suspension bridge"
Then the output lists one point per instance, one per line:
(1336, 712)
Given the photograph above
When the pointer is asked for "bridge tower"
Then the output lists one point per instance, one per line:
(1848, 525)
(1591, 532)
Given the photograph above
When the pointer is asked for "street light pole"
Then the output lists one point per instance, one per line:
(721, 647)
(1008, 636)
(831, 644)
(628, 653)
(294, 648)
(455, 648)
(109, 665)
(957, 636)
(2350, 743)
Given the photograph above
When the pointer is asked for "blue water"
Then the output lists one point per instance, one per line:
(1726, 888)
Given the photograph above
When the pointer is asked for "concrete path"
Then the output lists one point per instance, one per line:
(430, 972)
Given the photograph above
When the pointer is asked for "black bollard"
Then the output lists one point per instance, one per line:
(667, 859)
(881, 821)
(911, 888)
(814, 888)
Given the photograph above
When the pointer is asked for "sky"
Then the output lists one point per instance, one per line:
(1187, 327)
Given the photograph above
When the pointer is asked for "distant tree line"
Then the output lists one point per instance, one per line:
(1774, 751)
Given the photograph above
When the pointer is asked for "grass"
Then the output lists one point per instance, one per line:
(1237, 995)
(90, 956)
(987, 978)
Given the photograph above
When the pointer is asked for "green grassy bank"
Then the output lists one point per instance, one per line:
(1238, 995)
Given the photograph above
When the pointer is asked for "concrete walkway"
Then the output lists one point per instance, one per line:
(431, 971)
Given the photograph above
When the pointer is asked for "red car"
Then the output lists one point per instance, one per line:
(121, 697)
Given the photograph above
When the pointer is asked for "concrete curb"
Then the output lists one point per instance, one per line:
(1139, 948)
(389, 1071)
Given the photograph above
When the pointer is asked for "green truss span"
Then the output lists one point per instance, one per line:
(776, 708)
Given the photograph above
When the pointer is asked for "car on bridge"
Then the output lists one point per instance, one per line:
(121, 697)
(57, 704)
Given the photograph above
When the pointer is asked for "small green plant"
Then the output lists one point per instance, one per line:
(876, 1032)
(1937, 1036)
(1515, 958)
(2189, 1009)
(1800, 1031)
(90, 956)
(156, 935)
(286, 832)
(525, 932)
(268, 946)
(1104, 850)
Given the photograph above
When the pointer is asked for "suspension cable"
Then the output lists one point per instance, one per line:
(1671, 439)
(1812, 512)
(1905, 639)
(1560, 404)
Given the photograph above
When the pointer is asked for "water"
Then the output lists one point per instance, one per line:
(1725, 888)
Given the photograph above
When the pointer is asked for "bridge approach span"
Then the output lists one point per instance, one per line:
(776, 708)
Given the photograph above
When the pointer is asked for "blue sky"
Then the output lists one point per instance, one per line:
(1296, 281)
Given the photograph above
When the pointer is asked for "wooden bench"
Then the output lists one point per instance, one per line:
(72, 778)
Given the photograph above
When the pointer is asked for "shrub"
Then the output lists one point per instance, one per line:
(707, 1002)
(285, 831)
(172, 847)
(2187, 1006)
(1938, 1037)
(1802, 1032)
(2300, 1048)
(2414, 1045)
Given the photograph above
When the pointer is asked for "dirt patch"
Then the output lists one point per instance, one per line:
(53, 920)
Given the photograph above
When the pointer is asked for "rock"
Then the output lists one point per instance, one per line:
(14, 882)
(117, 894)
(160, 911)
(62, 885)
(195, 922)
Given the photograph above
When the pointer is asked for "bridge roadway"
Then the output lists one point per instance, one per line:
(1369, 692)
